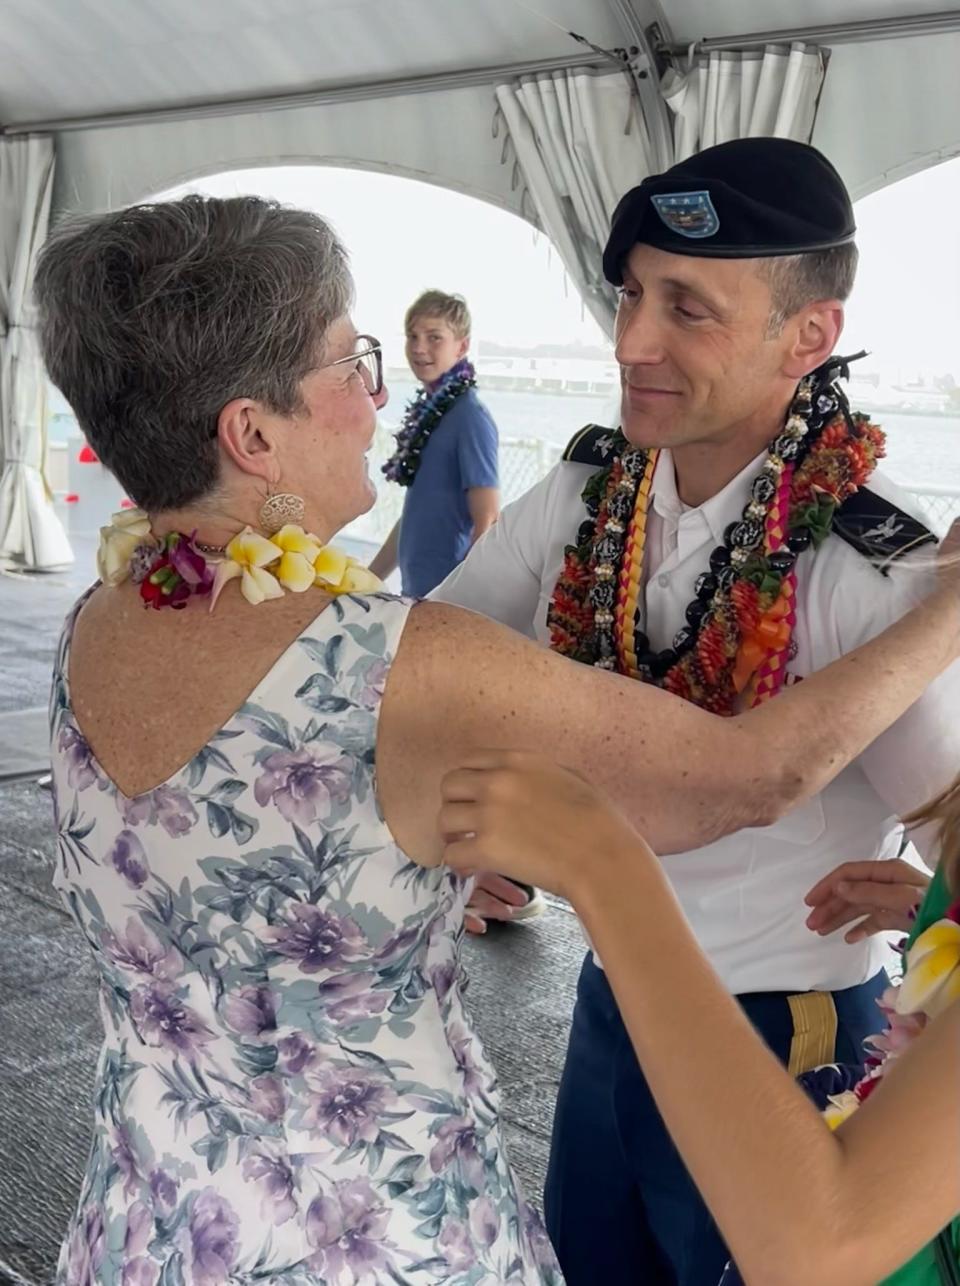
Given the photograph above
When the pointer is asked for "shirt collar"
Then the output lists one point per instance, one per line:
(719, 511)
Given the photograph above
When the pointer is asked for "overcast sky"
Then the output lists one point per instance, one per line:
(405, 236)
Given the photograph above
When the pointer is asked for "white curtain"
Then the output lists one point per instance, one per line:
(730, 95)
(31, 534)
(579, 142)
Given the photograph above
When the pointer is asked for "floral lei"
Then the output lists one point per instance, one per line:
(174, 568)
(739, 628)
(422, 416)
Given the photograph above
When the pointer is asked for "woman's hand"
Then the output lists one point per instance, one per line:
(523, 815)
(883, 895)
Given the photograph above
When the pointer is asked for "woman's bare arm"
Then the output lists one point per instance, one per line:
(460, 682)
(834, 1211)
(797, 1204)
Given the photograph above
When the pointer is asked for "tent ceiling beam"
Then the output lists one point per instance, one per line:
(644, 61)
(346, 92)
(629, 19)
(923, 24)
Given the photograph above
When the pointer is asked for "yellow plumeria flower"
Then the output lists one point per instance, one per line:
(292, 559)
(329, 567)
(338, 573)
(248, 556)
(128, 528)
(358, 579)
(299, 552)
(931, 982)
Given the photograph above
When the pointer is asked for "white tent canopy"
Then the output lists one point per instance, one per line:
(86, 70)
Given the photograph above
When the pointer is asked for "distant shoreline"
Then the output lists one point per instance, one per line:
(908, 410)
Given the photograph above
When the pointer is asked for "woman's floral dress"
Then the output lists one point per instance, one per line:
(289, 1089)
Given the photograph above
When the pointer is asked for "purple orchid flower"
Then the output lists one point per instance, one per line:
(190, 565)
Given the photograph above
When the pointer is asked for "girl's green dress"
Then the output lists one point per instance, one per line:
(934, 1264)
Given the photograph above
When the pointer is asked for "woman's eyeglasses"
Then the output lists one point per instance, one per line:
(367, 357)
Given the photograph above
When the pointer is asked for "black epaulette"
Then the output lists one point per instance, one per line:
(593, 445)
(878, 529)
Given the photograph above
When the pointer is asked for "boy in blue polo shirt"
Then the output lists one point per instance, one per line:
(446, 457)
(446, 452)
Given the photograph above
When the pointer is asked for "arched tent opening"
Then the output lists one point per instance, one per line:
(545, 366)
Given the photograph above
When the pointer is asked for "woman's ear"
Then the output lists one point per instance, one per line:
(248, 438)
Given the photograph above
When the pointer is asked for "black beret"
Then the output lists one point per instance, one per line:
(750, 198)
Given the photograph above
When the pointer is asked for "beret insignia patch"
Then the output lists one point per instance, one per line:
(689, 214)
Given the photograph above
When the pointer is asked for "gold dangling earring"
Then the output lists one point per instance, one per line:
(279, 510)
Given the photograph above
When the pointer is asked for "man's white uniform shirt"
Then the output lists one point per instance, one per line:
(743, 894)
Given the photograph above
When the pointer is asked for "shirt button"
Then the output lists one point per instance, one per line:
(663, 580)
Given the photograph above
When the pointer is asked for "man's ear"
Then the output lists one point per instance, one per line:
(813, 335)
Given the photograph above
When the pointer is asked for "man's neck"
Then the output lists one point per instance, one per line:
(703, 469)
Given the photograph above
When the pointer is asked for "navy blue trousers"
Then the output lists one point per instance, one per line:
(621, 1208)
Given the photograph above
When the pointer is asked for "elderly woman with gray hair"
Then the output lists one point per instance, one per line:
(290, 1088)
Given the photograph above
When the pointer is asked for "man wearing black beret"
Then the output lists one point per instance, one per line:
(721, 544)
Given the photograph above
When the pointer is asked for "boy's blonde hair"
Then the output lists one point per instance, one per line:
(944, 811)
(436, 303)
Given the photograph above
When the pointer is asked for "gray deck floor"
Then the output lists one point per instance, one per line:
(521, 988)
